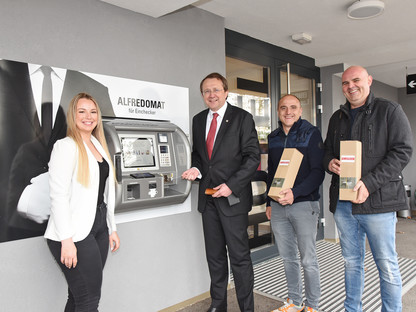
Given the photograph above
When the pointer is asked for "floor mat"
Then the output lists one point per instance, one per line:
(270, 278)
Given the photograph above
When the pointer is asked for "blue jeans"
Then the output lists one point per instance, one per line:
(294, 227)
(380, 229)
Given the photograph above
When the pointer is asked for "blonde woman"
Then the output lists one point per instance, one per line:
(82, 190)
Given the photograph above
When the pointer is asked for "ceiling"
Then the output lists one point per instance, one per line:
(385, 45)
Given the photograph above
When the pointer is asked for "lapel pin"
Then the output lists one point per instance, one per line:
(226, 120)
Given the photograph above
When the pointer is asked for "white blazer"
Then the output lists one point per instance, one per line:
(73, 206)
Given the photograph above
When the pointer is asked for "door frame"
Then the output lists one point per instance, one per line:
(258, 52)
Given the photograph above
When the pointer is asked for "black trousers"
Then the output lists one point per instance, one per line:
(84, 281)
(223, 233)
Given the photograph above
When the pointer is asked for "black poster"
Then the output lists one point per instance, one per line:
(25, 151)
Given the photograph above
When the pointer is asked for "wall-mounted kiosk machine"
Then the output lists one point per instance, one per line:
(149, 158)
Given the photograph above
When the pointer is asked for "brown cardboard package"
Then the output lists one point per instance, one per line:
(350, 169)
(286, 172)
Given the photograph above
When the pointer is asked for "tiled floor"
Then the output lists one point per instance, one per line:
(268, 273)
(270, 284)
(270, 278)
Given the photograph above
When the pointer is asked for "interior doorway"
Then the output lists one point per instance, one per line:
(258, 74)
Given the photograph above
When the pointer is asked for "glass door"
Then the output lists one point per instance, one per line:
(249, 89)
(259, 74)
(303, 88)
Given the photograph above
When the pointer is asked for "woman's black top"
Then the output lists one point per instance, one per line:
(104, 170)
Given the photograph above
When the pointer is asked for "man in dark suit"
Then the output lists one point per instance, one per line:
(225, 156)
(25, 153)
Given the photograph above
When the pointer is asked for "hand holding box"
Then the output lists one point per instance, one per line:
(350, 157)
(286, 172)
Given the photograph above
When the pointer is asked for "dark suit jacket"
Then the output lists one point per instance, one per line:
(235, 158)
(24, 154)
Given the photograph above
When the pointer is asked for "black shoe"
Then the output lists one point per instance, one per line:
(216, 310)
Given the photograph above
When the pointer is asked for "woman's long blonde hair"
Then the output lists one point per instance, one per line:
(83, 174)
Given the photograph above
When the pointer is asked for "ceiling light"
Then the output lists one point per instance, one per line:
(363, 9)
(302, 38)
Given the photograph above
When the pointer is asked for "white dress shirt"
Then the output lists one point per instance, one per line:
(220, 117)
(36, 79)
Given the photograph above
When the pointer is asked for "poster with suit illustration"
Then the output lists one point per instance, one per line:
(25, 149)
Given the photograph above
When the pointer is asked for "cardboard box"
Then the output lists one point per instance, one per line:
(286, 172)
(350, 158)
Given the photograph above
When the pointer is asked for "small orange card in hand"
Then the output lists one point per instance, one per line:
(209, 191)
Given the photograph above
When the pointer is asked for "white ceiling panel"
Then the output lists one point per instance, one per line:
(153, 8)
(386, 44)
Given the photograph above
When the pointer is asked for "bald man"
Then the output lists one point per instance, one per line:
(294, 216)
(386, 137)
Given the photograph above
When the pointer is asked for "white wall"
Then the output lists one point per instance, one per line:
(331, 99)
(408, 101)
(161, 261)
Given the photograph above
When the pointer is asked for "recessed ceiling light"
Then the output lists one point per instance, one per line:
(363, 9)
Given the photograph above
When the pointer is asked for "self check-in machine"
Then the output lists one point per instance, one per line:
(149, 158)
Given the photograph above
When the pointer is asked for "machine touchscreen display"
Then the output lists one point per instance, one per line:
(137, 152)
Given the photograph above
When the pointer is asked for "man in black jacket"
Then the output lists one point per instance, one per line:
(225, 156)
(386, 137)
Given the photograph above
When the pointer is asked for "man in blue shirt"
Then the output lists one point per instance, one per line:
(294, 216)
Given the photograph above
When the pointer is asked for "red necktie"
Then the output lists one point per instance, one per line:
(211, 134)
